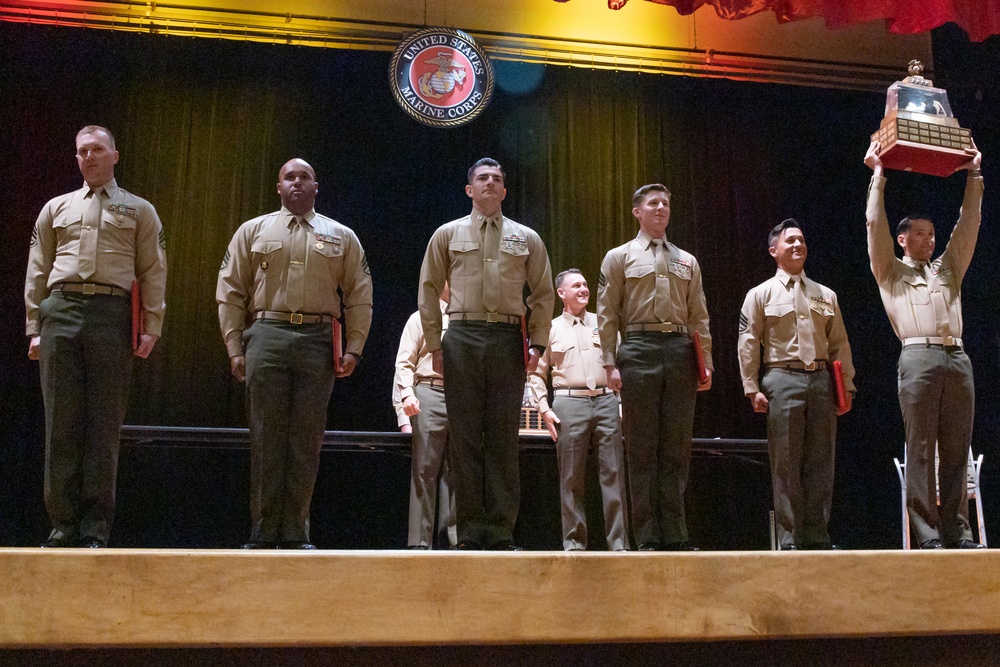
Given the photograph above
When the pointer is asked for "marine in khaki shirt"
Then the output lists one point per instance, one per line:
(583, 412)
(651, 294)
(923, 299)
(418, 400)
(487, 259)
(797, 324)
(87, 248)
(278, 296)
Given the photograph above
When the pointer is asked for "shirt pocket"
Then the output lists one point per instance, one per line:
(262, 254)
(823, 310)
(680, 270)
(465, 258)
(67, 228)
(557, 353)
(916, 290)
(513, 262)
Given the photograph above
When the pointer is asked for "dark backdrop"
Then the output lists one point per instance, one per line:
(204, 125)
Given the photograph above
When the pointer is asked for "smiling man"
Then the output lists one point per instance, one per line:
(487, 260)
(281, 273)
(87, 249)
(923, 299)
(583, 413)
(651, 294)
(798, 324)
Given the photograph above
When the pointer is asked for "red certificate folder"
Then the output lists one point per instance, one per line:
(138, 326)
(524, 339)
(699, 355)
(338, 344)
(837, 371)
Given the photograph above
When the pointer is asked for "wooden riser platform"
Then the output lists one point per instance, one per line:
(228, 598)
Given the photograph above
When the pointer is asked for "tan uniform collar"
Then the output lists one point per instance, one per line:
(480, 219)
(785, 277)
(917, 264)
(572, 319)
(110, 188)
(287, 216)
(645, 240)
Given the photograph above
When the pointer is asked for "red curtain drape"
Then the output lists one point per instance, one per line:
(979, 18)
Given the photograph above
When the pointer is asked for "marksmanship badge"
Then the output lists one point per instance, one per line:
(441, 77)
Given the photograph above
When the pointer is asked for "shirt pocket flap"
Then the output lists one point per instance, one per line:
(561, 346)
(328, 249)
(638, 270)
(515, 249)
(265, 247)
(778, 309)
(463, 246)
(682, 271)
(63, 221)
(824, 309)
(915, 279)
(119, 220)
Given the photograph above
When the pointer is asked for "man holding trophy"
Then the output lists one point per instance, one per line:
(922, 298)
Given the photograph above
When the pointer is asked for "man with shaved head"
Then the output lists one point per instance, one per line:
(278, 299)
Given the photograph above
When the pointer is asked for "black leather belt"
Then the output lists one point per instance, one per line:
(484, 317)
(90, 288)
(817, 365)
(292, 318)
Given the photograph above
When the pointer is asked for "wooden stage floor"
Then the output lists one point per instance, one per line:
(228, 598)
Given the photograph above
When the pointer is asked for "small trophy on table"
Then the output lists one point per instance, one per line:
(919, 132)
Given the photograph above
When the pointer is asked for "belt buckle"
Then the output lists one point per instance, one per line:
(811, 366)
(89, 289)
(492, 318)
(949, 341)
(295, 318)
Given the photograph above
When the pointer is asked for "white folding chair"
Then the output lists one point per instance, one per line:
(972, 485)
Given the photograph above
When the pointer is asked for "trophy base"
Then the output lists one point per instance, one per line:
(923, 159)
(926, 148)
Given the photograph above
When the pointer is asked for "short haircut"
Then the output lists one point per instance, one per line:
(97, 128)
(904, 224)
(562, 276)
(641, 193)
(486, 162)
(778, 230)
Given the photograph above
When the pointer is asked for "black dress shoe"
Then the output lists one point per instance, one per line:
(789, 547)
(468, 545)
(54, 543)
(678, 546)
(505, 545)
(931, 544)
(91, 543)
(821, 546)
(650, 546)
(308, 546)
(966, 544)
(259, 545)
(418, 547)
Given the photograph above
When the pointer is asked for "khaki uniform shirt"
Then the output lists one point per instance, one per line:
(455, 254)
(254, 276)
(626, 293)
(413, 363)
(573, 358)
(768, 319)
(923, 299)
(130, 246)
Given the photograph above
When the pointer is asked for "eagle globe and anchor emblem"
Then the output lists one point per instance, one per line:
(441, 77)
